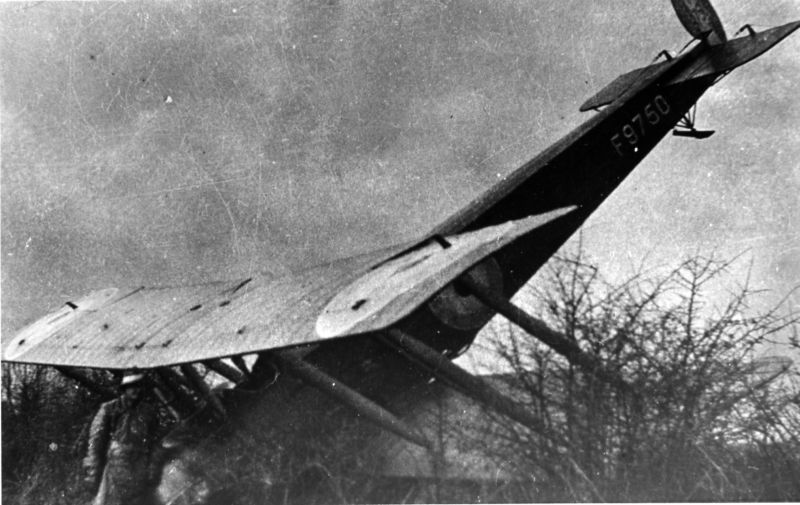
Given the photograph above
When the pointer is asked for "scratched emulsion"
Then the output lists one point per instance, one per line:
(181, 142)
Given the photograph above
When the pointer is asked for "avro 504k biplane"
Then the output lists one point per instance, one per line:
(366, 328)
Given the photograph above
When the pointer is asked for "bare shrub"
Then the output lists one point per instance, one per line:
(704, 417)
(44, 421)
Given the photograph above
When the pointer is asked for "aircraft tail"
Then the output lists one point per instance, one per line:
(708, 62)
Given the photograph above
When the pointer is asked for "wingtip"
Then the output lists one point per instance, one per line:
(536, 220)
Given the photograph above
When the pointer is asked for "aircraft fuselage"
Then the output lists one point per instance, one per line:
(581, 169)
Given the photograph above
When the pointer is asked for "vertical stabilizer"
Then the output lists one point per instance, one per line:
(700, 20)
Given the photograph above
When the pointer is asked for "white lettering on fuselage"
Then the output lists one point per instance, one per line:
(632, 132)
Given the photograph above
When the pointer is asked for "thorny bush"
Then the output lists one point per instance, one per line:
(706, 416)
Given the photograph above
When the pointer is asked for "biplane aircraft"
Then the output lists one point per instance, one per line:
(365, 329)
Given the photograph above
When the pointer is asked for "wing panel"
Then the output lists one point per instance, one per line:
(142, 320)
(152, 327)
(396, 288)
(57, 326)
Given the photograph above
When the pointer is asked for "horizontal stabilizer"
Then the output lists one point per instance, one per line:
(623, 83)
(714, 60)
(725, 57)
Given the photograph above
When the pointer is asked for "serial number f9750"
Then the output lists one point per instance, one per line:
(632, 132)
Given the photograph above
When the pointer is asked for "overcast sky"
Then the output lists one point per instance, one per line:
(180, 142)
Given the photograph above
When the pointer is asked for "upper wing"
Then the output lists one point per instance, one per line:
(387, 293)
(155, 327)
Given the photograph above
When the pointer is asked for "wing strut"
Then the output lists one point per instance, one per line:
(84, 380)
(452, 374)
(540, 330)
(174, 382)
(238, 360)
(190, 372)
(168, 404)
(318, 379)
(225, 370)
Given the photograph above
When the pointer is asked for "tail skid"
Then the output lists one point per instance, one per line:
(686, 127)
